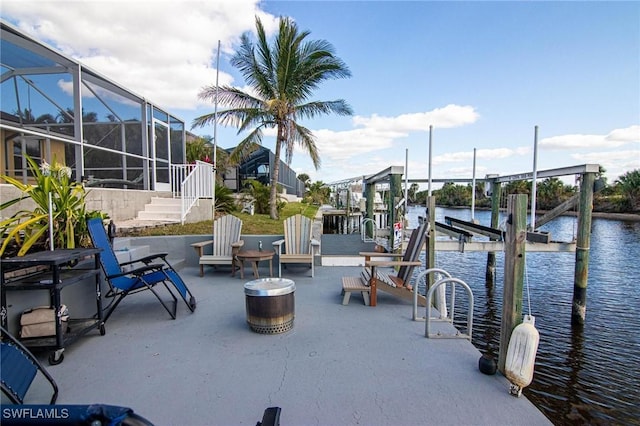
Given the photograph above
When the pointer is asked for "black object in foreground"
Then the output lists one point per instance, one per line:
(271, 417)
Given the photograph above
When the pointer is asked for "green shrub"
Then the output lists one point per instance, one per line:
(28, 229)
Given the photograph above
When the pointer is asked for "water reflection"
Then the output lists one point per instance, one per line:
(490, 335)
(586, 375)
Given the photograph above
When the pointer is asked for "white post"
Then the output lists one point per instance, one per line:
(473, 187)
(406, 174)
(406, 185)
(535, 176)
(430, 153)
(215, 137)
(50, 221)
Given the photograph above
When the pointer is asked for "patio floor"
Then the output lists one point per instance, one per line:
(339, 365)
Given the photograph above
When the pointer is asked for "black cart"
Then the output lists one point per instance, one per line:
(52, 271)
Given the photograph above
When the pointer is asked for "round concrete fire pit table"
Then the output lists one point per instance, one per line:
(270, 305)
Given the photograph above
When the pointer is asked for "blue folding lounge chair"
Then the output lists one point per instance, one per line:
(123, 283)
(19, 369)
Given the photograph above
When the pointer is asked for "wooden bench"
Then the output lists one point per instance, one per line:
(351, 284)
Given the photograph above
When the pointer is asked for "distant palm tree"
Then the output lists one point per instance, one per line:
(304, 178)
(318, 193)
(629, 186)
(282, 77)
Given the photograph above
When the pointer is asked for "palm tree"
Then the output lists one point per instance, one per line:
(318, 193)
(413, 190)
(304, 178)
(282, 77)
(629, 186)
(551, 192)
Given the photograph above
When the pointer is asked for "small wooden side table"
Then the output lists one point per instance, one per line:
(255, 256)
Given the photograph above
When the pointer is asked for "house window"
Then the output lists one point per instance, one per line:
(19, 147)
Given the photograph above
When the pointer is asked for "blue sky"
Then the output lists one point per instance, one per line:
(482, 73)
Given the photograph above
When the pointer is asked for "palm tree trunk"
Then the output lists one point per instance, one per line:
(273, 195)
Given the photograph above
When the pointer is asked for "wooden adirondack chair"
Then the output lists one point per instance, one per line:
(397, 284)
(299, 246)
(226, 243)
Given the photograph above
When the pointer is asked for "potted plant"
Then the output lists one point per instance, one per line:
(55, 194)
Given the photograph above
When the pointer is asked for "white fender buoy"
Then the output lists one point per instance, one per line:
(441, 301)
(521, 355)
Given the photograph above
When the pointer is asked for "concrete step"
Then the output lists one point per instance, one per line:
(162, 209)
(165, 201)
(170, 208)
(159, 216)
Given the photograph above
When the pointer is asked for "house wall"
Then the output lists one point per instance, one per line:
(119, 204)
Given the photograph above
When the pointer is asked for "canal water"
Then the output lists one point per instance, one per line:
(587, 376)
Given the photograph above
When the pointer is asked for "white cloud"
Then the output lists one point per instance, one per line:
(594, 157)
(615, 138)
(566, 142)
(166, 55)
(447, 117)
(352, 143)
(616, 163)
(487, 154)
(376, 133)
(629, 134)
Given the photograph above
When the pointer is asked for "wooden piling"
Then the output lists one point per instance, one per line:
(347, 210)
(581, 274)
(395, 192)
(514, 264)
(370, 190)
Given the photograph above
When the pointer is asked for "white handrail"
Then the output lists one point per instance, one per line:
(178, 174)
(424, 275)
(363, 230)
(430, 293)
(191, 182)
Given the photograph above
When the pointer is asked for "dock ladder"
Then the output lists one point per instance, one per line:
(429, 319)
(363, 231)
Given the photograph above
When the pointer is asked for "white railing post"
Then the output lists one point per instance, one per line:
(192, 181)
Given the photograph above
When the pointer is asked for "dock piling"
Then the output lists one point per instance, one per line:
(581, 274)
(514, 264)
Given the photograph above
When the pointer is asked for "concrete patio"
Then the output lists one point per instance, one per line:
(339, 365)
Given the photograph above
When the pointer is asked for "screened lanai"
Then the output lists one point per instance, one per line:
(54, 108)
(258, 166)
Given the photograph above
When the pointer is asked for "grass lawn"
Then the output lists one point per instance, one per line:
(258, 224)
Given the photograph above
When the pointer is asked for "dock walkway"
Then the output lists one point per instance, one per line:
(339, 365)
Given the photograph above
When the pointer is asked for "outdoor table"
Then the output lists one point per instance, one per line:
(270, 305)
(255, 256)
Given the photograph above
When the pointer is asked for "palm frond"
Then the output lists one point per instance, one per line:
(316, 108)
(247, 146)
(304, 138)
